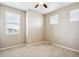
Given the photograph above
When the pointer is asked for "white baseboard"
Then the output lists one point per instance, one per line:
(12, 47)
(35, 43)
(71, 49)
(31, 44)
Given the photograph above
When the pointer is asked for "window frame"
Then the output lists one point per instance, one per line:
(19, 24)
(54, 20)
(74, 18)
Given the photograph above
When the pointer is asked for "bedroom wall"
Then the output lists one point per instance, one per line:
(11, 40)
(34, 27)
(64, 33)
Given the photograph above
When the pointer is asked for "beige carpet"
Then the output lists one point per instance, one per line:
(41, 50)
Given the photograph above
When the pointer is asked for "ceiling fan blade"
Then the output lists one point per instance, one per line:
(36, 5)
(45, 5)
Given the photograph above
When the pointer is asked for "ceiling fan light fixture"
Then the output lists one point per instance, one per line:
(41, 4)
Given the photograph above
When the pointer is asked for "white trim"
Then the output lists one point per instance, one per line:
(12, 47)
(35, 43)
(31, 44)
(63, 46)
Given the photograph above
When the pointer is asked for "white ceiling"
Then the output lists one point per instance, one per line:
(30, 5)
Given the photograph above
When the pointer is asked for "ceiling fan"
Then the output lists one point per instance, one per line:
(41, 4)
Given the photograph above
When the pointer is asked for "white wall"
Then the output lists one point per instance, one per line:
(10, 40)
(65, 33)
(34, 27)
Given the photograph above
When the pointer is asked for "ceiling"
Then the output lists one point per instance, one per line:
(30, 6)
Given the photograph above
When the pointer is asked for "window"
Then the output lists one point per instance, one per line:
(12, 23)
(54, 19)
(74, 15)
